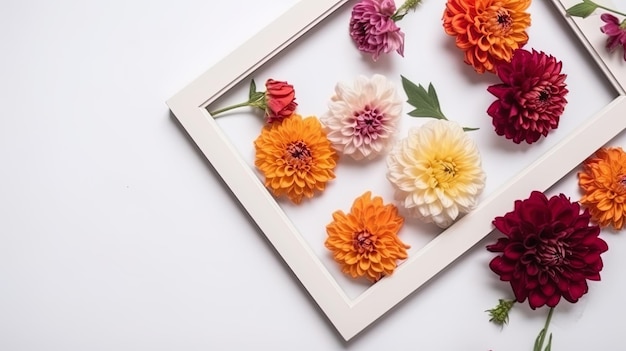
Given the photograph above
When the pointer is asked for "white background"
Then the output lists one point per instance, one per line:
(116, 234)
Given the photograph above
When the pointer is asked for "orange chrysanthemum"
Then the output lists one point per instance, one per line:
(365, 241)
(603, 180)
(296, 157)
(487, 30)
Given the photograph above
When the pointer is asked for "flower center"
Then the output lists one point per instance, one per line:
(539, 98)
(364, 241)
(443, 173)
(298, 155)
(498, 21)
(369, 122)
(551, 254)
(504, 19)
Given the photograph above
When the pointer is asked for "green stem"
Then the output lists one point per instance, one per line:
(216, 112)
(544, 331)
(404, 9)
(608, 9)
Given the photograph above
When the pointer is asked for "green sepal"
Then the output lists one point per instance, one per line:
(583, 9)
(255, 97)
(252, 90)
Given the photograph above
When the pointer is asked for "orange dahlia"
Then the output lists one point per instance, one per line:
(488, 31)
(296, 157)
(365, 241)
(603, 181)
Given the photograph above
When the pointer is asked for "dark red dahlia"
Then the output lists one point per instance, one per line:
(549, 252)
(531, 97)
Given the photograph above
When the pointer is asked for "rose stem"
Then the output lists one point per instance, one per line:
(214, 113)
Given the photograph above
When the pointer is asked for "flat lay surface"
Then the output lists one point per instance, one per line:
(116, 233)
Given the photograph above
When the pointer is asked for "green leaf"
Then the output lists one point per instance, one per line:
(425, 102)
(468, 129)
(583, 9)
(252, 89)
(539, 340)
(549, 347)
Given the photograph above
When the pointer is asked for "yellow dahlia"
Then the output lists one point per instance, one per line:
(488, 31)
(603, 181)
(436, 172)
(296, 157)
(365, 241)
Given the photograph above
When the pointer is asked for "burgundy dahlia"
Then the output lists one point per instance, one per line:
(531, 97)
(616, 32)
(374, 30)
(550, 250)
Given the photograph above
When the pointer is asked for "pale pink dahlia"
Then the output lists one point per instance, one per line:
(374, 30)
(362, 118)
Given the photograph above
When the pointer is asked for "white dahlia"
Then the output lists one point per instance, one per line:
(362, 118)
(436, 172)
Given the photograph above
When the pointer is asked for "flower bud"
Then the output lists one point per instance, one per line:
(500, 314)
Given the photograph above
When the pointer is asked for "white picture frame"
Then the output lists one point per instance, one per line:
(351, 316)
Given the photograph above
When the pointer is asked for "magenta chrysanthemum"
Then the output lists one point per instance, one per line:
(373, 29)
(531, 97)
(362, 118)
(616, 32)
(550, 250)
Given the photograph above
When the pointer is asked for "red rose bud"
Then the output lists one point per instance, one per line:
(277, 102)
(280, 100)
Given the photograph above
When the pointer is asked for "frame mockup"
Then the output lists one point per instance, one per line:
(351, 316)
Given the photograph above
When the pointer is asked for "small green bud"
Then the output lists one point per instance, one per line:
(404, 9)
(500, 314)
(410, 4)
